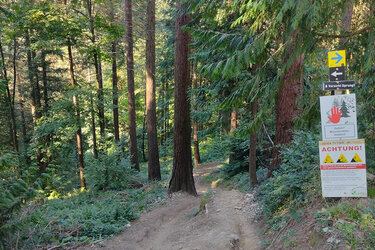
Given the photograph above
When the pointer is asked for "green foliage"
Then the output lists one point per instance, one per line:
(80, 216)
(112, 171)
(354, 221)
(297, 180)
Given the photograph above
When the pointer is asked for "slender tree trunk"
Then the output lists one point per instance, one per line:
(24, 131)
(197, 158)
(115, 93)
(286, 107)
(13, 130)
(152, 137)
(93, 129)
(144, 134)
(130, 78)
(182, 173)
(46, 107)
(233, 126)
(35, 97)
(45, 81)
(166, 111)
(78, 118)
(252, 150)
(98, 71)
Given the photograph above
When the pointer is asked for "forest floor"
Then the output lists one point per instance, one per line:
(216, 219)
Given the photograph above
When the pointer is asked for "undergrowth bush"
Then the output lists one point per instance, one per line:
(109, 172)
(297, 179)
(80, 217)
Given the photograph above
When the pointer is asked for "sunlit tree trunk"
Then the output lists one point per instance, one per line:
(152, 137)
(197, 158)
(182, 173)
(233, 126)
(130, 77)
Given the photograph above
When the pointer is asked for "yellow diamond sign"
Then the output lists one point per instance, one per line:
(336, 58)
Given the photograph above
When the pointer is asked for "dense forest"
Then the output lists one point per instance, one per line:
(108, 106)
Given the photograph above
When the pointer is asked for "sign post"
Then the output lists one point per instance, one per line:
(342, 155)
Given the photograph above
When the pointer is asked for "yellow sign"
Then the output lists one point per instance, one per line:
(328, 159)
(336, 58)
(342, 159)
(356, 158)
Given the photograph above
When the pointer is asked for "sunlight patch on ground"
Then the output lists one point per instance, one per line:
(214, 183)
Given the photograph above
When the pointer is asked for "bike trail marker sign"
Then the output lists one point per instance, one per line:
(339, 117)
(343, 168)
(336, 58)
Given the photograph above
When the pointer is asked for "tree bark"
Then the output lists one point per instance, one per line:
(45, 82)
(144, 134)
(152, 137)
(77, 115)
(197, 158)
(233, 126)
(182, 173)
(98, 71)
(13, 130)
(346, 20)
(115, 93)
(93, 129)
(286, 107)
(130, 77)
(252, 150)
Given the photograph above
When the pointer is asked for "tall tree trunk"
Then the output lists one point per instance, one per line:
(24, 131)
(93, 129)
(197, 158)
(13, 130)
(286, 107)
(233, 126)
(182, 173)
(78, 118)
(32, 74)
(35, 96)
(45, 81)
(252, 150)
(152, 137)
(115, 93)
(46, 107)
(144, 134)
(346, 20)
(166, 111)
(98, 71)
(130, 78)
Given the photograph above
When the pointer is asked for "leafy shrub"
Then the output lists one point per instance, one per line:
(109, 172)
(297, 177)
(80, 216)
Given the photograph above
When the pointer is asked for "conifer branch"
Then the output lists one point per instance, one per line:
(344, 35)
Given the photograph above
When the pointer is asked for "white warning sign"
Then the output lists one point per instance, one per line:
(343, 168)
(339, 117)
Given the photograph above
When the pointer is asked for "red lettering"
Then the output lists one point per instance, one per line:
(324, 150)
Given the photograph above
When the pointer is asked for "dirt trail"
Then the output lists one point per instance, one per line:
(223, 224)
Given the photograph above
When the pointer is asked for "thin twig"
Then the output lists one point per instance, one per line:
(269, 137)
(367, 28)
